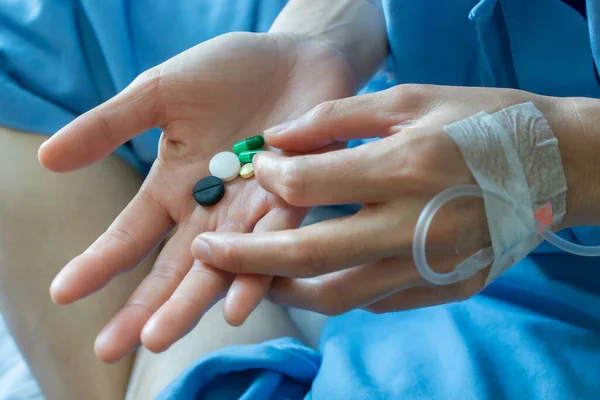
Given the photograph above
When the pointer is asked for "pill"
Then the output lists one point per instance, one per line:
(252, 143)
(246, 156)
(225, 166)
(247, 171)
(208, 191)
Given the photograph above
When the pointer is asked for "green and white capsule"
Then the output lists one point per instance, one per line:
(246, 156)
(251, 143)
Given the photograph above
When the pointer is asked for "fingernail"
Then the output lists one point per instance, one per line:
(56, 288)
(259, 156)
(277, 129)
(56, 282)
(201, 250)
(398, 128)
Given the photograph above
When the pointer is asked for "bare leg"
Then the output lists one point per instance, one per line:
(45, 220)
(152, 372)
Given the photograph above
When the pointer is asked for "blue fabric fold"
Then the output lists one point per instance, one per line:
(278, 369)
(534, 333)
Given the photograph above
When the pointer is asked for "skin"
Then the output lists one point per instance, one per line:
(47, 218)
(323, 267)
(205, 100)
(273, 70)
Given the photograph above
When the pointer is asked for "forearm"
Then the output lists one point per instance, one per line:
(588, 111)
(356, 28)
(577, 125)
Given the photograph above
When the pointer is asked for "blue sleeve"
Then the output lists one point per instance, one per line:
(59, 59)
(593, 12)
(44, 79)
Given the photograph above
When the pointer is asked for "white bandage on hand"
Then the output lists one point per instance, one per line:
(512, 152)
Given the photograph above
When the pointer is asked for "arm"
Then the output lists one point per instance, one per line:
(422, 160)
(579, 131)
(355, 28)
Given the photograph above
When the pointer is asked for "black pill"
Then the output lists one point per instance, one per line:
(208, 191)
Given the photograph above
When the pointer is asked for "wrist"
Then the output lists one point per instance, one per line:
(354, 29)
(576, 124)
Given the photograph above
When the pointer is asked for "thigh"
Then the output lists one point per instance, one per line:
(45, 220)
(153, 372)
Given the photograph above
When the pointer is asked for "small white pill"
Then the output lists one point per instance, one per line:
(225, 166)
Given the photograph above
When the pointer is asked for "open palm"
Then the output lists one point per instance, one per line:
(204, 100)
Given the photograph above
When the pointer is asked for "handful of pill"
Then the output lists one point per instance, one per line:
(225, 167)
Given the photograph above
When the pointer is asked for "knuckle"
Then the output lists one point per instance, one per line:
(193, 301)
(294, 183)
(416, 97)
(166, 272)
(105, 130)
(308, 258)
(228, 257)
(204, 272)
(123, 237)
(137, 306)
(305, 264)
(423, 164)
(149, 86)
(333, 299)
(324, 111)
(376, 309)
(150, 77)
(316, 260)
(412, 92)
(330, 310)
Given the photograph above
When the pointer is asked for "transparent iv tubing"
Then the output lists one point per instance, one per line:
(462, 271)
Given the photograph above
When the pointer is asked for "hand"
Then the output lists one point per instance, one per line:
(365, 260)
(204, 100)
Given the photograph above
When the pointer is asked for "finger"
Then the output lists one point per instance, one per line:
(248, 290)
(383, 286)
(339, 177)
(203, 285)
(122, 334)
(322, 150)
(308, 251)
(358, 117)
(135, 233)
(342, 291)
(98, 132)
(421, 297)
(244, 295)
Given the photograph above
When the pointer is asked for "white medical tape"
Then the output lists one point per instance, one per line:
(512, 152)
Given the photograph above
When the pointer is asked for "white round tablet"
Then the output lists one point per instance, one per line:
(225, 166)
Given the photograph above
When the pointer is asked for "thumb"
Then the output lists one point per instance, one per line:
(352, 118)
(98, 132)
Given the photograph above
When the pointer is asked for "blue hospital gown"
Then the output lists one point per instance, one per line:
(534, 333)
